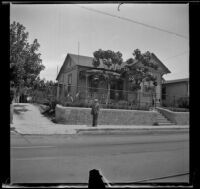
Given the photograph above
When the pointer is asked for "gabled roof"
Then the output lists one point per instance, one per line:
(81, 60)
(86, 61)
(77, 60)
(165, 68)
(177, 80)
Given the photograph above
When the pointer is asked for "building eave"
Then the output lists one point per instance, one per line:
(165, 68)
(177, 81)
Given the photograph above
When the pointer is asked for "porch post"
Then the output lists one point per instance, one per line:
(57, 96)
(139, 98)
(86, 84)
(63, 88)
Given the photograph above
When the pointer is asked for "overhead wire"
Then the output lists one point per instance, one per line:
(140, 23)
(110, 184)
(133, 21)
(175, 56)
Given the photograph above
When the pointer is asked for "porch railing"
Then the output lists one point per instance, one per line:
(81, 96)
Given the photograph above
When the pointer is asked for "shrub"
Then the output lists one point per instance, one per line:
(183, 102)
(164, 104)
(123, 102)
(12, 93)
(52, 104)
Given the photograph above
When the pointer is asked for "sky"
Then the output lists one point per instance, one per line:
(59, 29)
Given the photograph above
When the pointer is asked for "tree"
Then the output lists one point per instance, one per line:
(25, 62)
(43, 89)
(137, 74)
(110, 61)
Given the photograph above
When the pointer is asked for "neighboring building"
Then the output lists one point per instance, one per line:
(75, 76)
(173, 90)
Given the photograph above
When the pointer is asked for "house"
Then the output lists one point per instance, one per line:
(173, 90)
(76, 78)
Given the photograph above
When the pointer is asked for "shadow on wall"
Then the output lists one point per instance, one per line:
(19, 108)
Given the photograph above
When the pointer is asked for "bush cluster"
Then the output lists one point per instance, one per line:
(66, 102)
(183, 102)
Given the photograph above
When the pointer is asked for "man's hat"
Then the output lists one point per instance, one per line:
(96, 100)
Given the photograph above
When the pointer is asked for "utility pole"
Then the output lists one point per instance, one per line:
(78, 52)
(57, 72)
(57, 95)
(78, 71)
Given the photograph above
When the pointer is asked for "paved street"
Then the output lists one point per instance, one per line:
(119, 157)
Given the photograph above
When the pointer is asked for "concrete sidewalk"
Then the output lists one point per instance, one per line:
(29, 120)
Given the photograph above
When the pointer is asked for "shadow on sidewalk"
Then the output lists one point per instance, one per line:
(20, 108)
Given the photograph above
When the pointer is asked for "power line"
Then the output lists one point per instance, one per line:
(135, 22)
(176, 55)
(164, 177)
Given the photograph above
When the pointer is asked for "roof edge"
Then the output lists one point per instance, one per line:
(176, 80)
(61, 67)
(167, 70)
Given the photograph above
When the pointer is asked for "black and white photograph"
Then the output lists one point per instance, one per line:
(99, 92)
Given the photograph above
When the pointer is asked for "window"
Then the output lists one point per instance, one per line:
(164, 93)
(93, 85)
(69, 82)
(70, 63)
(147, 87)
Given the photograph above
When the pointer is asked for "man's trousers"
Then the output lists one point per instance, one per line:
(95, 119)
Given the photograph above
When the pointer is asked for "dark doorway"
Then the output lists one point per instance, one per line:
(116, 90)
(112, 90)
(120, 89)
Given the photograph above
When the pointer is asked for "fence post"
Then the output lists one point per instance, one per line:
(86, 84)
(174, 101)
(139, 98)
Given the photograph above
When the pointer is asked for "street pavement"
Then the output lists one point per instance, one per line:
(45, 152)
(119, 158)
(29, 120)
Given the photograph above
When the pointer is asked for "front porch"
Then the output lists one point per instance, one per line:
(117, 99)
(115, 94)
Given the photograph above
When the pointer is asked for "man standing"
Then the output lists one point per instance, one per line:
(95, 112)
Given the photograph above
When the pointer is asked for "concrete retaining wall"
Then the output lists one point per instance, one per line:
(179, 118)
(82, 116)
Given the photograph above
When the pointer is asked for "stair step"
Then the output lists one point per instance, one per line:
(160, 117)
(165, 124)
(163, 121)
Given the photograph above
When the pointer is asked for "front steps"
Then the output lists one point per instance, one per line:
(162, 120)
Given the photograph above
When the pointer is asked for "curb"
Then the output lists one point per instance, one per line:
(108, 130)
(131, 130)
